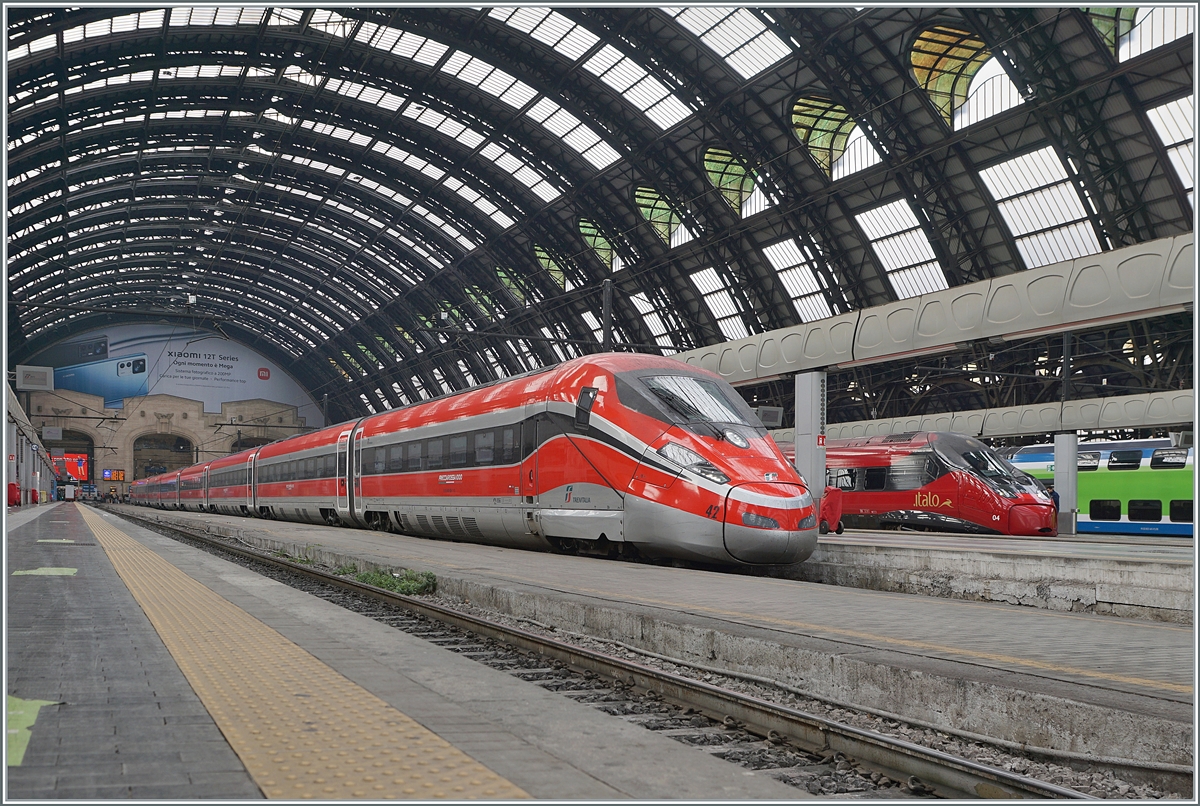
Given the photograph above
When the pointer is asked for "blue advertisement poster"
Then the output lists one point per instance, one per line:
(126, 361)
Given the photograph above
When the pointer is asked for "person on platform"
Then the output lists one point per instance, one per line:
(1053, 494)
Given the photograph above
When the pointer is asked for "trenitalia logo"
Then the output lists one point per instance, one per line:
(570, 487)
(932, 500)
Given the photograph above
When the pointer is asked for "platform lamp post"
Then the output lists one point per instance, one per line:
(1066, 455)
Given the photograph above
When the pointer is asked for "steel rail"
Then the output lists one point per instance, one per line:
(946, 775)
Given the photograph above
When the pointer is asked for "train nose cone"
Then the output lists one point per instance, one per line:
(770, 524)
(1033, 519)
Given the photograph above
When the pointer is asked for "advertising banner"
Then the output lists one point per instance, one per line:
(133, 360)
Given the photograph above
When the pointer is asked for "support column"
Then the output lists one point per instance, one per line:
(1066, 474)
(810, 431)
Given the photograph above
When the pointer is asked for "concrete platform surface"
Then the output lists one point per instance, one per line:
(115, 717)
(1071, 681)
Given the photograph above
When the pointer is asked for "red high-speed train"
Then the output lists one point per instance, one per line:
(934, 481)
(615, 455)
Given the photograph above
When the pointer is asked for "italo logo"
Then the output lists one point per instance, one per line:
(932, 500)
(264, 374)
(568, 498)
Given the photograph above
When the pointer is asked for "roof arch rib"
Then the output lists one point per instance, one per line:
(400, 202)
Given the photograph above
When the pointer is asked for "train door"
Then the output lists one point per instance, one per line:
(204, 489)
(343, 466)
(356, 467)
(533, 431)
(249, 470)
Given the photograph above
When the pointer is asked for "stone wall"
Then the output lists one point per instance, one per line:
(114, 431)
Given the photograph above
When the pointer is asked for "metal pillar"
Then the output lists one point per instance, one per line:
(810, 430)
(1066, 473)
(606, 313)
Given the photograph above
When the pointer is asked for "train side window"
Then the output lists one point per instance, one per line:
(414, 456)
(341, 463)
(293, 470)
(1145, 510)
(366, 460)
(380, 460)
(1168, 458)
(1088, 460)
(331, 464)
(508, 445)
(434, 453)
(395, 458)
(1104, 509)
(458, 450)
(843, 478)
(310, 467)
(485, 453)
(1124, 460)
(1181, 510)
(911, 472)
(875, 478)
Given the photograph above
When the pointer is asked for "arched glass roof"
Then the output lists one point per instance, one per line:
(327, 183)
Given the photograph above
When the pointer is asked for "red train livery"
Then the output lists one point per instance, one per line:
(935, 481)
(613, 454)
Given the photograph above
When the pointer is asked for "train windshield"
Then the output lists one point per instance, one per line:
(966, 452)
(685, 399)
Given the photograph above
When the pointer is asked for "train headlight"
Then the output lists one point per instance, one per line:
(692, 461)
(736, 439)
(808, 522)
(759, 521)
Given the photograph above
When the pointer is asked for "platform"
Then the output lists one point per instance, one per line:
(142, 668)
(1076, 682)
(1126, 576)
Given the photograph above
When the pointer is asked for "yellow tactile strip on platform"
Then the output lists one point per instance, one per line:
(302, 730)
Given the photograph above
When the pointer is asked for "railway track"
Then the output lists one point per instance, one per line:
(666, 701)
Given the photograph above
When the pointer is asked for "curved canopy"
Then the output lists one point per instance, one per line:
(395, 203)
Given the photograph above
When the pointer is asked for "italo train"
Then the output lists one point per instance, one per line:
(934, 481)
(1125, 487)
(615, 454)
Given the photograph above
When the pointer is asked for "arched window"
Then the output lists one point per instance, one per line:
(736, 184)
(962, 79)
(832, 137)
(555, 270)
(658, 211)
(508, 279)
(1130, 32)
(600, 245)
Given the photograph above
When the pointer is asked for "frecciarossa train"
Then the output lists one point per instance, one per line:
(615, 455)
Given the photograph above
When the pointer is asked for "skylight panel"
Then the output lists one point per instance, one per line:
(609, 64)
(653, 321)
(1155, 27)
(1175, 124)
(573, 132)
(902, 249)
(720, 302)
(1042, 208)
(637, 86)
(860, 154)
(991, 92)
(736, 35)
(797, 271)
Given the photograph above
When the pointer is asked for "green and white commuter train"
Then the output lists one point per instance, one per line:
(1131, 487)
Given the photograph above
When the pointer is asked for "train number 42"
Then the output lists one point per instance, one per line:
(713, 512)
